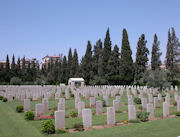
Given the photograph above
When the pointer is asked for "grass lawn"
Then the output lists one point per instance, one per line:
(12, 124)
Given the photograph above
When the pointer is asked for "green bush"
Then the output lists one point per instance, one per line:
(4, 100)
(74, 114)
(142, 115)
(61, 131)
(177, 113)
(29, 115)
(1, 97)
(19, 109)
(15, 81)
(117, 94)
(72, 95)
(48, 127)
(137, 100)
(78, 127)
(118, 111)
(140, 107)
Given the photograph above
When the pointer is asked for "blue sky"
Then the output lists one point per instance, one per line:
(34, 28)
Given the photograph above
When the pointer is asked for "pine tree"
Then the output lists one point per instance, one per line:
(155, 59)
(113, 67)
(18, 68)
(23, 69)
(141, 58)
(126, 69)
(87, 71)
(106, 52)
(75, 64)
(69, 65)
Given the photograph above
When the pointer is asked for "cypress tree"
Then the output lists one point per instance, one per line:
(141, 58)
(97, 58)
(87, 71)
(113, 67)
(126, 69)
(64, 70)
(155, 58)
(75, 64)
(69, 65)
(172, 54)
(7, 64)
(7, 76)
(106, 52)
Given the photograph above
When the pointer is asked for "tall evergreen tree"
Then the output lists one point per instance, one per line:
(7, 64)
(155, 58)
(87, 71)
(69, 65)
(141, 58)
(7, 77)
(126, 69)
(172, 54)
(64, 70)
(106, 52)
(13, 67)
(97, 58)
(113, 67)
(75, 64)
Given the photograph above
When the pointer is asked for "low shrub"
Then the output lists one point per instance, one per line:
(66, 116)
(4, 100)
(29, 115)
(137, 100)
(125, 121)
(175, 103)
(142, 115)
(61, 131)
(48, 127)
(177, 113)
(78, 127)
(134, 121)
(86, 106)
(52, 113)
(19, 109)
(72, 95)
(1, 97)
(104, 103)
(63, 93)
(74, 114)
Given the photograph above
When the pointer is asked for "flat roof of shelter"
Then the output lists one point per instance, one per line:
(76, 79)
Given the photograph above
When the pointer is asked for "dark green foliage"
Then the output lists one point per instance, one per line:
(61, 131)
(4, 100)
(142, 115)
(141, 58)
(155, 58)
(104, 103)
(48, 127)
(1, 97)
(78, 127)
(137, 100)
(119, 111)
(29, 115)
(177, 113)
(74, 114)
(69, 64)
(19, 108)
(175, 103)
(126, 69)
(15, 81)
